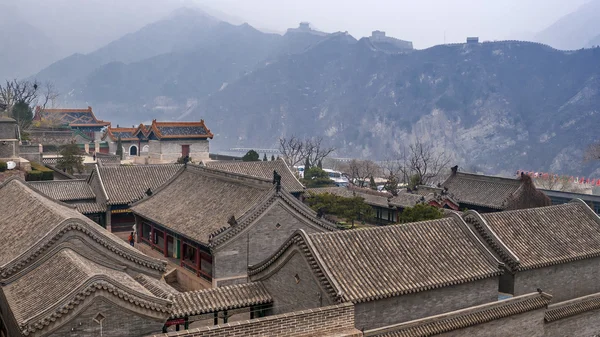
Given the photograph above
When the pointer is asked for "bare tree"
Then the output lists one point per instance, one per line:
(296, 150)
(362, 170)
(292, 150)
(420, 164)
(558, 183)
(315, 151)
(31, 93)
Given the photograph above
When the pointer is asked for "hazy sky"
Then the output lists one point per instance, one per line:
(422, 21)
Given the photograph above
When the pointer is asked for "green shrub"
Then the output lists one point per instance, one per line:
(33, 175)
(3, 166)
(45, 173)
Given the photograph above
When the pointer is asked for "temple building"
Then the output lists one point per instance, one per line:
(63, 275)
(216, 223)
(492, 194)
(131, 145)
(392, 274)
(83, 120)
(170, 141)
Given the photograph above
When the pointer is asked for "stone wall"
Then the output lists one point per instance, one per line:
(9, 149)
(398, 309)
(31, 152)
(564, 281)
(330, 321)
(265, 237)
(530, 324)
(168, 151)
(62, 137)
(118, 322)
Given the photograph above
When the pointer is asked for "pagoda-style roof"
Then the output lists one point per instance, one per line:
(175, 130)
(125, 184)
(126, 134)
(495, 193)
(389, 261)
(70, 117)
(539, 237)
(464, 318)
(261, 169)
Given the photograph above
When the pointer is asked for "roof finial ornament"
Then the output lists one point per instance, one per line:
(277, 180)
(148, 192)
(232, 221)
(454, 169)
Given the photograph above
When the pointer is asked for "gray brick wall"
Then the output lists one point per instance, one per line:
(170, 150)
(586, 324)
(118, 322)
(231, 260)
(530, 324)
(564, 281)
(388, 311)
(290, 294)
(8, 149)
(330, 321)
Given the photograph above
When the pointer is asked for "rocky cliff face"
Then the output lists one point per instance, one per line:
(496, 107)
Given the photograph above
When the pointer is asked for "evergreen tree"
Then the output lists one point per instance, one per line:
(251, 156)
(273, 157)
(306, 164)
(315, 177)
(23, 114)
(119, 151)
(373, 185)
(420, 212)
(265, 157)
(71, 159)
(320, 164)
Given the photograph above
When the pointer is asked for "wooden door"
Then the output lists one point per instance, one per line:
(185, 151)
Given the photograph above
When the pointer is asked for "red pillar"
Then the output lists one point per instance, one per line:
(151, 235)
(166, 244)
(182, 253)
(198, 264)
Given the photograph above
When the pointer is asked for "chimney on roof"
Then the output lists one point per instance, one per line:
(454, 169)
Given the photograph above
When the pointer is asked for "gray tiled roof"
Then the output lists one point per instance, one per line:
(64, 280)
(158, 288)
(371, 197)
(128, 183)
(393, 260)
(198, 201)
(572, 307)
(464, 318)
(65, 190)
(539, 237)
(89, 207)
(261, 169)
(219, 299)
(25, 229)
(479, 190)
